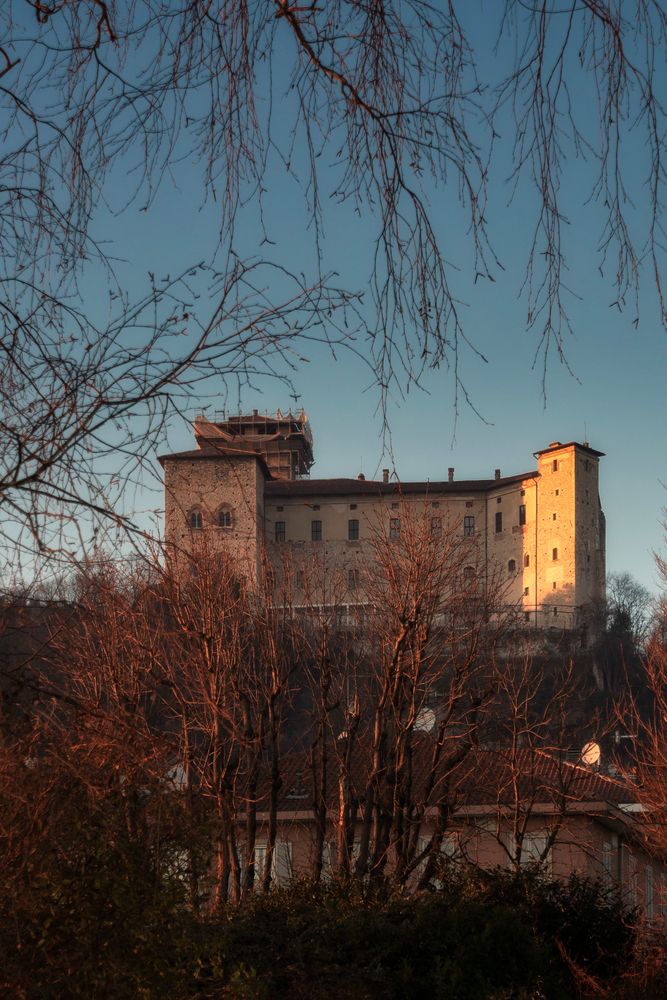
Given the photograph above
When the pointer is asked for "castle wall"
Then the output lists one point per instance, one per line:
(536, 539)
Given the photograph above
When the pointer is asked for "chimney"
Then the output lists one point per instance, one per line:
(361, 477)
(497, 473)
(385, 475)
(255, 413)
(450, 474)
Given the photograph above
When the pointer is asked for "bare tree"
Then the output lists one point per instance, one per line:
(395, 94)
(642, 721)
(398, 679)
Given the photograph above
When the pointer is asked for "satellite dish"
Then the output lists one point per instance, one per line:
(425, 721)
(590, 754)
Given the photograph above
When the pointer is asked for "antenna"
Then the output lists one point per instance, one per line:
(590, 754)
(425, 721)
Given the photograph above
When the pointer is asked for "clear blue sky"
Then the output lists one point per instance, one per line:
(614, 395)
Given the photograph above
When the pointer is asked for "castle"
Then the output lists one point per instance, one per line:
(246, 488)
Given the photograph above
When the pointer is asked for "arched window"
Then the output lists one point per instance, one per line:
(468, 573)
(511, 566)
(224, 518)
(526, 560)
(196, 522)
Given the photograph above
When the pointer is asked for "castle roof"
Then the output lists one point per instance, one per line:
(370, 487)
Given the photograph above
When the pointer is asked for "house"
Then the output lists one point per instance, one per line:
(246, 488)
(502, 808)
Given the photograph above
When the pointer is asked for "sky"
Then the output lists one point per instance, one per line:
(610, 392)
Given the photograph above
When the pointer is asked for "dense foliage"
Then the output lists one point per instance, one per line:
(100, 925)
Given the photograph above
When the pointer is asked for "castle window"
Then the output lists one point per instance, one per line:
(436, 526)
(557, 493)
(394, 528)
(468, 503)
(499, 522)
(316, 531)
(394, 506)
(280, 531)
(353, 506)
(526, 560)
(280, 508)
(553, 517)
(224, 519)
(527, 615)
(554, 554)
(300, 581)
(555, 610)
(554, 465)
(469, 525)
(587, 465)
(469, 573)
(526, 591)
(196, 522)
(499, 499)
(553, 585)
(522, 513)
(352, 579)
(511, 566)
(523, 493)
(316, 506)
(353, 530)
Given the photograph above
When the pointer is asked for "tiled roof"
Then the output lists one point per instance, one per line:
(557, 445)
(365, 487)
(483, 778)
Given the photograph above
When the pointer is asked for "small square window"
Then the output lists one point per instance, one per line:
(316, 531)
(435, 503)
(394, 528)
(353, 506)
(468, 503)
(499, 522)
(394, 506)
(353, 530)
(316, 506)
(280, 509)
(499, 499)
(280, 531)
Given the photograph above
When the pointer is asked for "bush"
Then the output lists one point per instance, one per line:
(104, 926)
